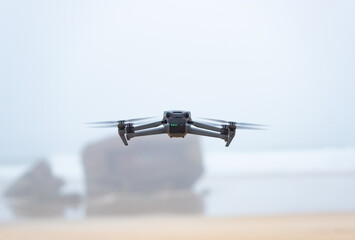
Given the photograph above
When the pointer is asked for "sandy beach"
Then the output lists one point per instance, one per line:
(325, 226)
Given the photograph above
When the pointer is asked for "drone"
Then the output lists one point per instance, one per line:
(177, 124)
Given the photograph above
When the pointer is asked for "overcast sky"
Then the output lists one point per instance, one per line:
(285, 63)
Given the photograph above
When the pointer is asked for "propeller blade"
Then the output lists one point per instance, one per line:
(237, 123)
(138, 119)
(216, 120)
(250, 128)
(104, 126)
(251, 124)
(125, 121)
(104, 122)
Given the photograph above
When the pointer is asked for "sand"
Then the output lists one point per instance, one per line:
(330, 226)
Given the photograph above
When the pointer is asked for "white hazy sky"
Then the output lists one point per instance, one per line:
(285, 63)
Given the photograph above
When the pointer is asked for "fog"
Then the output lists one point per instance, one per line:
(286, 64)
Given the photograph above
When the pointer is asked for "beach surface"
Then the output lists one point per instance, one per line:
(325, 226)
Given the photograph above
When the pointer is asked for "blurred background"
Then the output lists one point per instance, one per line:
(283, 63)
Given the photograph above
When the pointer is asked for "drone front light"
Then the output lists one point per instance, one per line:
(173, 125)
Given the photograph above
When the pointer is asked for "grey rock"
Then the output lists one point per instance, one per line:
(37, 194)
(148, 164)
(38, 183)
(170, 202)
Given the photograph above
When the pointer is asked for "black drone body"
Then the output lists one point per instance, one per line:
(177, 124)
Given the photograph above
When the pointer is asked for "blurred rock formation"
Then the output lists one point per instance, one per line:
(152, 174)
(38, 183)
(174, 202)
(37, 193)
(148, 164)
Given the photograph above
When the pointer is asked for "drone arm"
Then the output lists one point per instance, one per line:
(202, 132)
(158, 130)
(148, 125)
(121, 132)
(205, 126)
(230, 138)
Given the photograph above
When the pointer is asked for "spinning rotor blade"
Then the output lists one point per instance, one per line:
(125, 121)
(237, 123)
(104, 122)
(216, 120)
(251, 124)
(105, 126)
(237, 126)
(138, 119)
(250, 128)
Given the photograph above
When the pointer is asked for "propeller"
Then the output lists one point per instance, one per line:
(120, 121)
(105, 126)
(114, 124)
(235, 123)
(250, 128)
